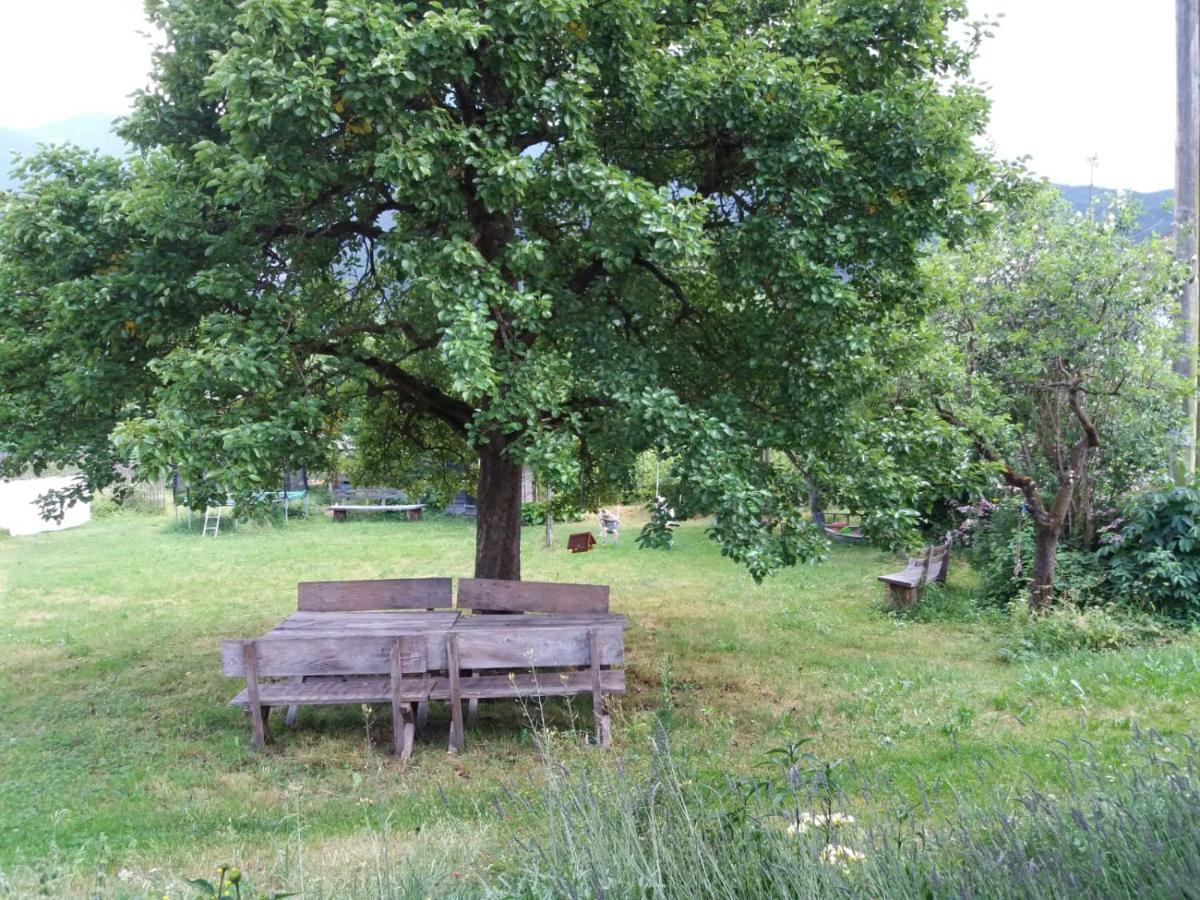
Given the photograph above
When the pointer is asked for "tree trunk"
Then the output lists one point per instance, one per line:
(1045, 554)
(549, 518)
(498, 505)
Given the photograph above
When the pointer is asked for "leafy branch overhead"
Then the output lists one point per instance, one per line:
(553, 229)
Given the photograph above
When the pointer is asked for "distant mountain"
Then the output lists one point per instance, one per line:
(1156, 215)
(92, 131)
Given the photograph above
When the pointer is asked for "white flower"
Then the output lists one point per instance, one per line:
(809, 820)
(840, 855)
(124, 874)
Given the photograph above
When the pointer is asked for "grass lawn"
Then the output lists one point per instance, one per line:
(121, 758)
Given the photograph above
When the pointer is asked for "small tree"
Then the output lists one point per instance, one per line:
(1058, 361)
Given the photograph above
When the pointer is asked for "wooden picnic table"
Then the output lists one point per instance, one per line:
(521, 649)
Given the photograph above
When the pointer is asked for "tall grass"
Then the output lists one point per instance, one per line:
(809, 830)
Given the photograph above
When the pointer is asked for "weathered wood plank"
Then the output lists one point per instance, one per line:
(457, 737)
(339, 692)
(488, 687)
(540, 620)
(531, 596)
(258, 724)
(333, 624)
(529, 648)
(388, 593)
(352, 655)
(403, 727)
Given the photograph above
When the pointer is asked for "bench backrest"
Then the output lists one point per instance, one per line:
(384, 593)
(931, 563)
(491, 595)
(357, 655)
(535, 648)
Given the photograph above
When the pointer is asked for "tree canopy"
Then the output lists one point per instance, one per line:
(539, 231)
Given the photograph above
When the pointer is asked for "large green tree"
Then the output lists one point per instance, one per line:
(543, 229)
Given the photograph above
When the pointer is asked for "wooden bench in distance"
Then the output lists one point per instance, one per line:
(904, 587)
(377, 667)
(534, 658)
(375, 594)
(412, 510)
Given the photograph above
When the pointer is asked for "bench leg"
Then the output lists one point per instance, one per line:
(473, 706)
(260, 728)
(901, 598)
(290, 718)
(339, 515)
(422, 714)
(457, 739)
(403, 730)
(456, 714)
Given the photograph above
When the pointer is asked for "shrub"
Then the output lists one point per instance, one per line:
(1079, 575)
(1066, 628)
(1153, 552)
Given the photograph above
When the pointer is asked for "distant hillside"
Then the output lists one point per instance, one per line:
(92, 131)
(1156, 216)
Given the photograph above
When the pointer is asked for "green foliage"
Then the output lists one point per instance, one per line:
(1002, 550)
(1066, 628)
(229, 884)
(564, 507)
(1153, 556)
(573, 229)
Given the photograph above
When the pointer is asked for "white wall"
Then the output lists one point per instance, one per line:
(19, 511)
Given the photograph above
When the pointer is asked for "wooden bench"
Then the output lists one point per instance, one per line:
(487, 595)
(378, 667)
(904, 587)
(536, 660)
(376, 594)
(529, 662)
(412, 511)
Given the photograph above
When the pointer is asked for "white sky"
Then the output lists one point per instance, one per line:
(1069, 78)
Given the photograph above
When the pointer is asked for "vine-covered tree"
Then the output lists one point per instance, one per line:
(1057, 328)
(544, 230)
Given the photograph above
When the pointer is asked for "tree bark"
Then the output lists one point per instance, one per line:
(498, 522)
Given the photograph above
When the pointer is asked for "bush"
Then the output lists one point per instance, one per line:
(1079, 576)
(1066, 628)
(1153, 553)
(534, 512)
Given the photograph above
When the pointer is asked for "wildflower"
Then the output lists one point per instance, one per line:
(124, 874)
(809, 820)
(840, 855)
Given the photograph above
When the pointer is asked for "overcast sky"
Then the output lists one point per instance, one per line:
(1069, 79)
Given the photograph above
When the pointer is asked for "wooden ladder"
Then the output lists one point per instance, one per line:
(212, 522)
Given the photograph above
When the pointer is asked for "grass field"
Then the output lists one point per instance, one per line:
(123, 769)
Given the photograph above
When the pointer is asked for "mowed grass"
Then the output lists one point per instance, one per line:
(118, 748)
